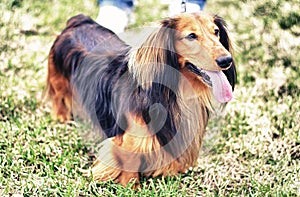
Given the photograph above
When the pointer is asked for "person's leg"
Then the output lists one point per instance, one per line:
(114, 14)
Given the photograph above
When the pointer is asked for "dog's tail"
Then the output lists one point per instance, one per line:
(48, 91)
(79, 20)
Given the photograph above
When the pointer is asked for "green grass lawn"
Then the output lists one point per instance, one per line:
(253, 149)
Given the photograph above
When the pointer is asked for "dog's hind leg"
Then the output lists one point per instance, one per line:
(59, 91)
(61, 99)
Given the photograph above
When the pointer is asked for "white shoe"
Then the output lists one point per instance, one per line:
(113, 18)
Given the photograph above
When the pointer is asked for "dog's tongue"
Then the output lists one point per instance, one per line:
(222, 90)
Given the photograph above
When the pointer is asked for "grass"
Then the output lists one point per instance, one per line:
(253, 150)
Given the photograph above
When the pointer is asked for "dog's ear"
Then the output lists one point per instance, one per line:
(155, 68)
(156, 60)
(226, 42)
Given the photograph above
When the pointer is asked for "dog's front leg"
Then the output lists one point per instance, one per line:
(121, 156)
(116, 163)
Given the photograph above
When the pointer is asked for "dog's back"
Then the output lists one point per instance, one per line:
(81, 36)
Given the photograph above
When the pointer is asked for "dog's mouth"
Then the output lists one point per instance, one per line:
(217, 80)
(200, 72)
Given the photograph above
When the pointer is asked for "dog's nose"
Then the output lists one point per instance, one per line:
(224, 61)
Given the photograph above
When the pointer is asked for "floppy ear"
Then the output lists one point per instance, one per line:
(155, 67)
(156, 60)
(225, 41)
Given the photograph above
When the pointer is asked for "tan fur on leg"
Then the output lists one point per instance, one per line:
(120, 157)
(106, 166)
(60, 93)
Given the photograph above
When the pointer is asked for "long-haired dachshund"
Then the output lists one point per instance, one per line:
(152, 103)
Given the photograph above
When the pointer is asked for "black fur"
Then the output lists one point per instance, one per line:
(108, 92)
(81, 35)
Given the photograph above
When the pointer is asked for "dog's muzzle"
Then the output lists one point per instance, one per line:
(217, 80)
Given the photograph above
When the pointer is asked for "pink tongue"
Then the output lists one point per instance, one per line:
(221, 88)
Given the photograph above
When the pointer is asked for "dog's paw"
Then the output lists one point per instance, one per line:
(130, 179)
(64, 117)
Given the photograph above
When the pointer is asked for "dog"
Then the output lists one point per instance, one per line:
(152, 104)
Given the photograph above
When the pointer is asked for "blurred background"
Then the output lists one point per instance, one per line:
(252, 150)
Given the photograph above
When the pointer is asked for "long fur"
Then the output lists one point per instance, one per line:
(151, 108)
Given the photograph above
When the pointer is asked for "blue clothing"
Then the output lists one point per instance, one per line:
(126, 5)
(201, 3)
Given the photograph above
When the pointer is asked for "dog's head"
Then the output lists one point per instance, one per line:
(198, 41)
(203, 47)
(196, 44)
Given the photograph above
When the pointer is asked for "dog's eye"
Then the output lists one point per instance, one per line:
(217, 32)
(191, 36)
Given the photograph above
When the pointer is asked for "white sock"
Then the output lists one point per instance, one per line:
(112, 18)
